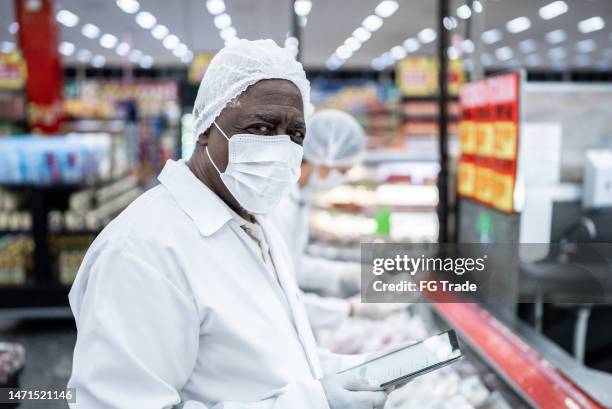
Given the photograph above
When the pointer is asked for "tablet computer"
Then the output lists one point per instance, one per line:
(403, 363)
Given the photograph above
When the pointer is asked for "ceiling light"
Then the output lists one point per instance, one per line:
(427, 35)
(229, 41)
(343, 52)
(387, 58)
(227, 33)
(7, 47)
(518, 24)
(377, 64)
(67, 18)
(302, 7)
(449, 22)
(108, 41)
(128, 6)
(98, 61)
(333, 62)
(491, 36)
(135, 56)
(362, 34)
(398, 52)
(187, 57)
(122, 49)
(411, 45)
(180, 50)
(477, 6)
(353, 43)
(557, 53)
(90, 31)
(527, 46)
(14, 27)
(223, 21)
(467, 46)
(146, 20)
(453, 53)
(586, 46)
(486, 59)
(215, 6)
(171, 41)
(372, 23)
(464, 12)
(582, 60)
(533, 59)
(552, 10)
(159, 31)
(292, 42)
(591, 24)
(146, 62)
(83, 55)
(556, 36)
(386, 8)
(504, 53)
(331, 66)
(66, 48)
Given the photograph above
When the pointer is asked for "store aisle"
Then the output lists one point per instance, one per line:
(49, 346)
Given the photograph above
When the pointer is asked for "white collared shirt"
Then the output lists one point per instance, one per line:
(174, 304)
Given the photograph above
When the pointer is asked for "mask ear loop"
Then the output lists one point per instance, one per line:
(212, 161)
(221, 130)
(208, 153)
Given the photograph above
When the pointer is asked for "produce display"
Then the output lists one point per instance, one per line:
(12, 358)
(458, 386)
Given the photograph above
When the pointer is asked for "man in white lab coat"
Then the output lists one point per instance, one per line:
(187, 299)
(335, 144)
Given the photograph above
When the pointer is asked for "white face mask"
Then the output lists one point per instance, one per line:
(334, 178)
(260, 170)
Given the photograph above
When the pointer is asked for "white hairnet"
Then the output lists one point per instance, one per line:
(237, 66)
(333, 138)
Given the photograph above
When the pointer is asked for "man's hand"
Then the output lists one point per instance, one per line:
(345, 391)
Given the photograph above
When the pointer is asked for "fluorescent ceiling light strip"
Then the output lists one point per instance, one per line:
(369, 25)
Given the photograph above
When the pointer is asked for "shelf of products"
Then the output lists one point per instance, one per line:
(145, 113)
(45, 232)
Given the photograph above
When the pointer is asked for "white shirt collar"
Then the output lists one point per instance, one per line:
(202, 205)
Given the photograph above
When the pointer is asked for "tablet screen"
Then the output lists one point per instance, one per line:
(410, 360)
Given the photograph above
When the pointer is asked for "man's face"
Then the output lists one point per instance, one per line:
(268, 107)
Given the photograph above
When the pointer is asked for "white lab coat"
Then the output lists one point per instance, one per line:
(174, 304)
(291, 218)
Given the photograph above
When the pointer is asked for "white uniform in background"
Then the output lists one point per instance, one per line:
(334, 140)
(313, 273)
(181, 300)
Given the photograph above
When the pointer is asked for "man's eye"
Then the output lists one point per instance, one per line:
(260, 129)
(297, 137)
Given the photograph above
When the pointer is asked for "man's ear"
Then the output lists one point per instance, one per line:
(203, 138)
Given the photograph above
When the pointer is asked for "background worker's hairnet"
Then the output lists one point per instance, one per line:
(237, 66)
(333, 138)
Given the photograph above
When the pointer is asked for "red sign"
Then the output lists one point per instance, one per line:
(38, 40)
(489, 134)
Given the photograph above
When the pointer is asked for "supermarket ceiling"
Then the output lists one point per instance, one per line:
(580, 36)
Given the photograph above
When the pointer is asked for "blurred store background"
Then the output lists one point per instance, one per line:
(513, 145)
